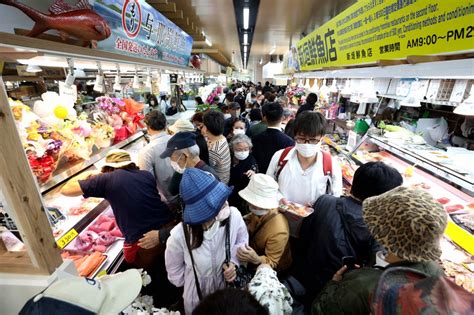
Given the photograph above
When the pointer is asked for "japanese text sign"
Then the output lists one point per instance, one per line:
(372, 30)
(139, 30)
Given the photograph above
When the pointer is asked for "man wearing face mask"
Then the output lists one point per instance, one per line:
(300, 170)
(149, 156)
(268, 229)
(183, 153)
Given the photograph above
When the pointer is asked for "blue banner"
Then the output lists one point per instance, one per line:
(138, 30)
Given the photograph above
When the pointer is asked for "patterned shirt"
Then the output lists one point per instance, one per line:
(219, 159)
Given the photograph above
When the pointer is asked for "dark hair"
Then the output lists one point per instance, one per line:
(129, 167)
(255, 114)
(290, 128)
(373, 179)
(197, 117)
(311, 99)
(311, 124)
(273, 112)
(214, 122)
(197, 235)
(230, 301)
(267, 95)
(236, 119)
(198, 100)
(156, 120)
(267, 83)
(271, 97)
(229, 96)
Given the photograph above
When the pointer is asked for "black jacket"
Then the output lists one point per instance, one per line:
(266, 144)
(323, 242)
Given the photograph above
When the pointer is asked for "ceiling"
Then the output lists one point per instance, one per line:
(279, 23)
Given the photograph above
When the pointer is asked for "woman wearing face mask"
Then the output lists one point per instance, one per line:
(268, 229)
(300, 170)
(237, 127)
(243, 167)
(184, 153)
(195, 253)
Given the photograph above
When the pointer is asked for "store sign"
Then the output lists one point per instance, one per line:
(372, 30)
(139, 30)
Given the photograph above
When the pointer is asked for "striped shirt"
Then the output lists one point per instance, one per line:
(219, 159)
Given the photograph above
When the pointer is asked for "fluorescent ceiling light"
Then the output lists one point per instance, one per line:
(245, 49)
(272, 51)
(246, 18)
(246, 39)
(208, 42)
(33, 68)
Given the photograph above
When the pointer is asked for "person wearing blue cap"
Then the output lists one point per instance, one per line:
(196, 254)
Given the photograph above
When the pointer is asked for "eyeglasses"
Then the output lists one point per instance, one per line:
(302, 140)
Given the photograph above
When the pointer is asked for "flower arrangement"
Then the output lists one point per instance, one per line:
(216, 92)
(110, 105)
(296, 94)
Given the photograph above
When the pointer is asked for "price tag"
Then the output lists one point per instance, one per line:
(101, 274)
(67, 238)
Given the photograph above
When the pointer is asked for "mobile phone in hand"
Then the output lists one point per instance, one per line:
(349, 261)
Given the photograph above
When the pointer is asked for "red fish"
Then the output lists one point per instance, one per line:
(78, 21)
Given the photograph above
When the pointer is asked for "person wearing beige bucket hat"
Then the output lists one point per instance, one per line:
(268, 229)
(409, 224)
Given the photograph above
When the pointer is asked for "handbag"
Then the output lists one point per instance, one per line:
(188, 245)
(243, 275)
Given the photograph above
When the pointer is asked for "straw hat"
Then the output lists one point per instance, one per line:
(118, 158)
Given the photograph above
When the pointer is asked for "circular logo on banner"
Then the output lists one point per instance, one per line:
(131, 18)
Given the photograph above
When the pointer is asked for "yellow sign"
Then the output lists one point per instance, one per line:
(373, 30)
(101, 274)
(66, 238)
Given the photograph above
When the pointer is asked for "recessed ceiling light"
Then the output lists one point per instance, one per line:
(246, 18)
(245, 49)
(246, 39)
(208, 42)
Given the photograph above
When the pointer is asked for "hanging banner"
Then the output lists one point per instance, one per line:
(373, 30)
(138, 30)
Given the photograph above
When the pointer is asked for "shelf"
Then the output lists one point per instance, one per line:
(68, 171)
(442, 171)
(392, 96)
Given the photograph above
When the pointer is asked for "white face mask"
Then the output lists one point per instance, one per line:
(248, 110)
(227, 116)
(242, 155)
(258, 212)
(176, 167)
(224, 213)
(212, 230)
(152, 103)
(307, 149)
(239, 131)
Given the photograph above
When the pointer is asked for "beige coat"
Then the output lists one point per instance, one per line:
(271, 241)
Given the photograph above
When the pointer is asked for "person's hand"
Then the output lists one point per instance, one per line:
(249, 173)
(247, 254)
(150, 239)
(229, 272)
(282, 202)
(340, 273)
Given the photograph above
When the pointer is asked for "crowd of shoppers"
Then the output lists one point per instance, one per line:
(205, 203)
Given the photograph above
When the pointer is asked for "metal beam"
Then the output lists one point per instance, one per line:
(165, 8)
(178, 15)
(152, 2)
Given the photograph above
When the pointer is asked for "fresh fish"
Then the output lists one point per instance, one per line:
(78, 21)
